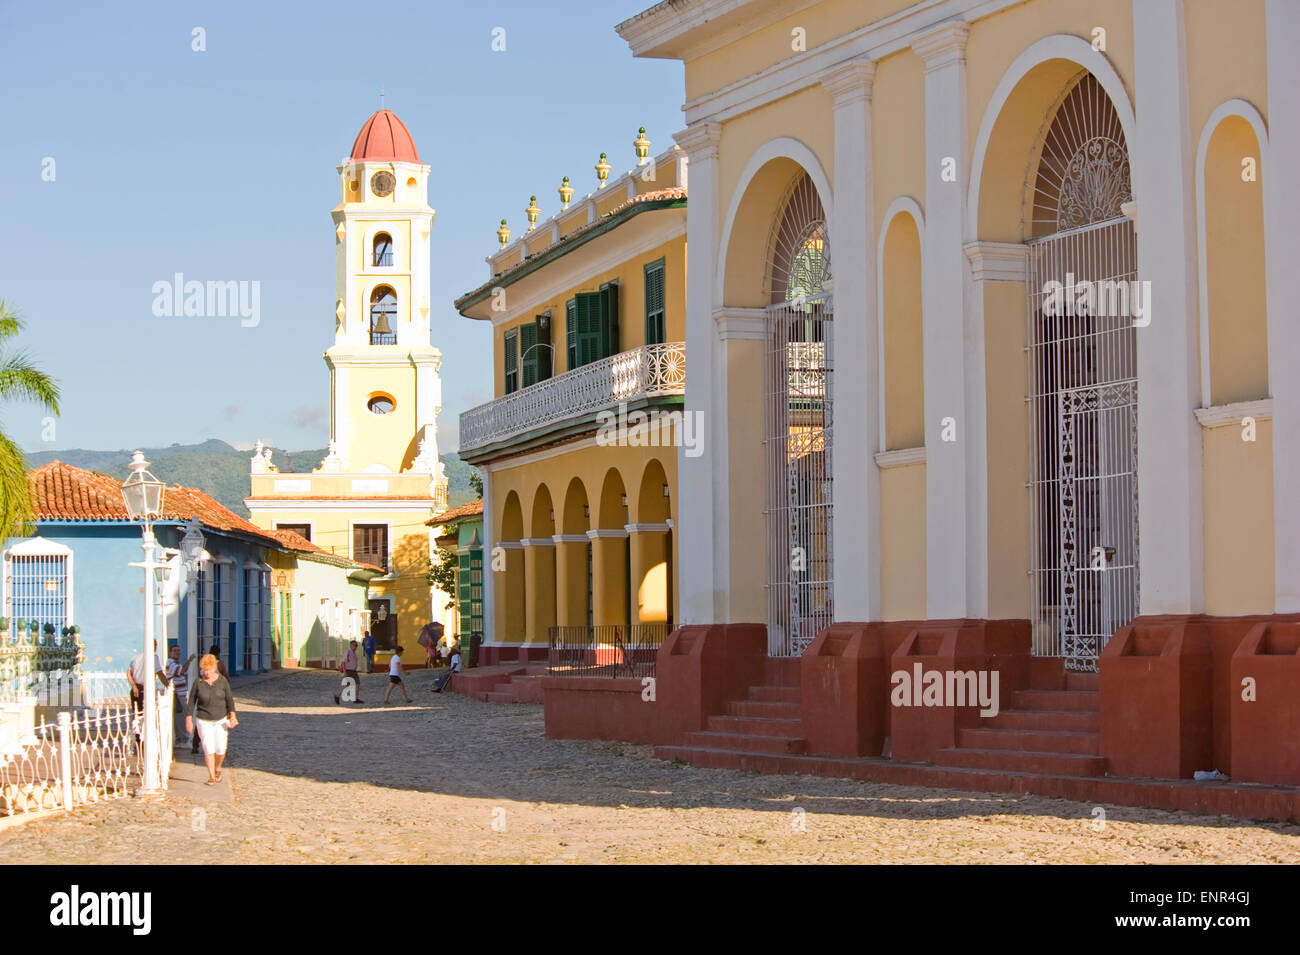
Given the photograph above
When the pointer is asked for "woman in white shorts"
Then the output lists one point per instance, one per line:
(211, 710)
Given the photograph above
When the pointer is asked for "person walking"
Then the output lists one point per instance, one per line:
(211, 712)
(178, 675)
(215, 652)
(349, 668)
(138, 676)
(368, 648)
(395, 673)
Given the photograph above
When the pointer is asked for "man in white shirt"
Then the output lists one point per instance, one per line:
(139, 679)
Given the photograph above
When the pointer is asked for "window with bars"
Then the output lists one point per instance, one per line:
(383, 250)
(302, 530)
(370, 544)
(39, 587)
(654, 303)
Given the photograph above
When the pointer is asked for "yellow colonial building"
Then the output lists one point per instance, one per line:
(371, 496)
(579, 449)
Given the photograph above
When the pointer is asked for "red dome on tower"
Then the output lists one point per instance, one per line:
(384, 136)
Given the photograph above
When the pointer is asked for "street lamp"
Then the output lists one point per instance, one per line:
(142, 493)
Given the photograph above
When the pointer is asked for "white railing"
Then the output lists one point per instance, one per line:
(643, 372)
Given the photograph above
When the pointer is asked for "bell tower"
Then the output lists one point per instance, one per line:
(384, 387)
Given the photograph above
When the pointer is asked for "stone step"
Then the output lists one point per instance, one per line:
(772, 711)
(1076, 721)
(1032, 741)
(774, 694)
(746, 743)
(1082, 681)
(1056, 700)
(1006, 761)
(755, 726)
(499, 696)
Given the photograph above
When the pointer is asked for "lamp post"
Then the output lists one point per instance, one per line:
(142, 493)
(191, 554)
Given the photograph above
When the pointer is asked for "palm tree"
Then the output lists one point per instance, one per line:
(19, 380)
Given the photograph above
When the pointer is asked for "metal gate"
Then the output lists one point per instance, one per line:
(1083, 419)
(797, 413)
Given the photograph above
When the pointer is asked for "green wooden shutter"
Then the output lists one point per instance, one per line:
(587, 309)
(654, 303)
(512, 361)
(545, 353)
(528, 351)
(463, 591)
(571, 333)
(609, 319)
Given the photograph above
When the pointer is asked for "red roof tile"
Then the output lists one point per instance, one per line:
(465, 510)
(61, 492)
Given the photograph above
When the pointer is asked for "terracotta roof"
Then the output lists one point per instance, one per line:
(61, 492)
(384, 136)
(296, 542)
(471, 509)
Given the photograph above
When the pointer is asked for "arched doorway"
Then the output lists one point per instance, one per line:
(797, 421)
(1083, 298)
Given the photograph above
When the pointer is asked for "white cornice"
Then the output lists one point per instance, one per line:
(510, 545)
(668, 21)
(569, 539)
(700, 141)
(350, 504)
(740, 323)
(524, 460)
(599, 533)
(661, 528)
(1223, 416)
(904, 457)
(850, 82)
(876, 40)
(537, 542)
(998, 261)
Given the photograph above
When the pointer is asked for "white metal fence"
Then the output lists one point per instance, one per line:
(1083, 461)
(87, 756)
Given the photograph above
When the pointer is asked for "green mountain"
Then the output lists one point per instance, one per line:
(222, 471)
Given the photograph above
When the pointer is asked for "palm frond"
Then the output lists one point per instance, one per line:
(20, 380)
(10, 323)
(15, 500)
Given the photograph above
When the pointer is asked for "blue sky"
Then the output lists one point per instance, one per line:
(220, 164)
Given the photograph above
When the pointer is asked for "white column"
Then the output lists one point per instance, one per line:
(702, 481)
(953, 365)
(489, 576)
(1281, 248)
(855, 526)
(1170, 569)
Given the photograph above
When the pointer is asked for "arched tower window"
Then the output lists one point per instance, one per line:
(383, 250)
(383, 313)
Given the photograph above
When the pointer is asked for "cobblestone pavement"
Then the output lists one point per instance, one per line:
(452, 779)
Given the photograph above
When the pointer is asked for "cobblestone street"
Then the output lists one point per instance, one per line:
(450, 779)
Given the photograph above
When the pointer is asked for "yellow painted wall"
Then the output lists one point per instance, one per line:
(773, 44)
(1238, 509)
(902, 543)
(898, 130)
(904, 372)
(1234, 231)
(1225, 56)
(631, 307)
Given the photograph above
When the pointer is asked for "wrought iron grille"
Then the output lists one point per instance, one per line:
(1083, 462)
(615, 650)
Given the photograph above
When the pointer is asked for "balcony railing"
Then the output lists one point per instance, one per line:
(643, 372)
(614, 650)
